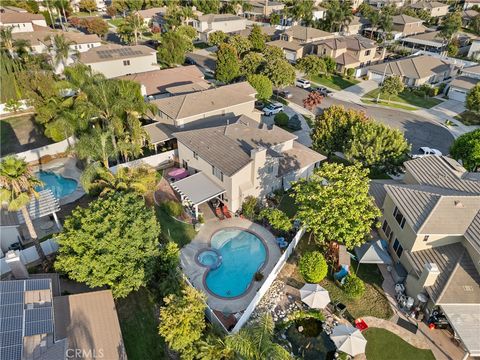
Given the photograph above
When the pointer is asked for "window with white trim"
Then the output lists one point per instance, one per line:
(399, 217)
(126, 62)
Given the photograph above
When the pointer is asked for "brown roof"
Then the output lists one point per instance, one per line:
(89, 321)
(464, 82)
(12, 17)
(307, 34)
(475, 69)
(42, 35)
(405, 19)
(416, 67)
(157, 81)
(210, 18)
(114, 52)
(289, 45)
(150, 13)
(266, 30)
(298, 157)
(428, 5)
(473, 232)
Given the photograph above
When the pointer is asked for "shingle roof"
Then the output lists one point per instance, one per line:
(428, 5)
(114, 52)
(283, 44)
(464, 82)
(42, 35)
(473, 232)
(305, 33)
(403, 19)
(475, 69)
(13, 17)
(210, 18)
(417, 67)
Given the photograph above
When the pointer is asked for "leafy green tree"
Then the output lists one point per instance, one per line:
(173, 47)
(207, 6)
(255, 341)
(249, 207)
(263, 85)
(214, 347)
(17, 187)
(339, 13)
(167, 276)
(272, 53)
(228, 65)
(301, 11)
(392, 86)
(451, 24)
(467, 149)
(94, 146)
(376, 145)
(474, 24)
(96, 26)
(113, 242)
(452, 49)
(188, 31)
(241, 44)
(473, 99)
(330, 65)
(177, 15)
(88, 5)
(7, 40)
(251, 63)
(277, 219)
(311, 65)
(131, 28)
(353, 286)
(257, 39)
(182, 319)
(334, 204)
(13, 105)
(281, 119)
(217, 37)
(313, 266)
(274, 19)
(280, 72)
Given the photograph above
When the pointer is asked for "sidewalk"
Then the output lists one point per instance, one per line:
(303, 134)
(355, 92)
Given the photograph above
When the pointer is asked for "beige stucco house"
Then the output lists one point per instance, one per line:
(261, 9)
(434, 8)
(462, 84)
(404, 25)
(431, 221)
(244, 158)
(116, 60)
(228, 23)
(19, 19)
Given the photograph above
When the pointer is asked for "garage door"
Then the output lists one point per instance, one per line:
(376, 77)
(457, 94)
(291, 56)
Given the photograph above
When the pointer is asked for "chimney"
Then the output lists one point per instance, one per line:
(429, 274)
(19, 270)
(259, 156)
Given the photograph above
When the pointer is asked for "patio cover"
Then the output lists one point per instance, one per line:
(372, 252)
(465, 320)
(46, 204)
(197, 188)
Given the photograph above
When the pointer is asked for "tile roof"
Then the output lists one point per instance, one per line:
(464, 82)
(211, 18)
(283, 44)
(428, 5)
(114, 52)
(298, 157)
(473, 232)
(403, 19)
(42, 35)
(378, 192)
(306, 34)
(416, 67)
(9, 16)
(475, 69)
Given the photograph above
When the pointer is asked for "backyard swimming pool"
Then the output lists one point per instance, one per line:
(242, 254)
(59, 185)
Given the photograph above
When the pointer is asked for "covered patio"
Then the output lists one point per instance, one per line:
(196, 190)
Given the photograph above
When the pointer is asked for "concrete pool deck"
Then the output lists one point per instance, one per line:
(195, 272)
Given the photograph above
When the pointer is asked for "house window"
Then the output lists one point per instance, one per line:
(398, 248)
(126, 62)
(185, 165)
(425, 238)
(387, 230)
(367, 52)
(195, 155)
(324, 52)
(399, 217)
(217, 173)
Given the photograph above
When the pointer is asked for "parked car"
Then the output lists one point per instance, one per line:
(283, 93)
(272, 109)
(302, 83)
(426, 151)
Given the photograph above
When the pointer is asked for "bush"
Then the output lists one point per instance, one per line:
(313, 267)
(353, 287)
(350, 72)
(249, 207)
(294, 123)
(173, 208)
(277, 219)
(281, 119)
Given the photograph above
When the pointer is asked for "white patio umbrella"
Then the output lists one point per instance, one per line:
(314, 296)
(348, 340)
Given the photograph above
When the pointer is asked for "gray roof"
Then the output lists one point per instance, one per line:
(198, 188)
(158, 132)
(464, 82)
(211, 18)
(378, 192)
(473, 232)
(403, 19)
(298, 157)
(465, 320)
(416, 67)
(114, 52)
(428, 5)
(372, 252)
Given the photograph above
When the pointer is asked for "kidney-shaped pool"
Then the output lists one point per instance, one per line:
(242, 255)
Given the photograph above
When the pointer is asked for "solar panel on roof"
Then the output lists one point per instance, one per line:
(11, 286)
(11, 298)
(38, 284)
(38, 327)
(11, 338)
(38, 314)
(11, 310)
(11, 352)
(11, 324)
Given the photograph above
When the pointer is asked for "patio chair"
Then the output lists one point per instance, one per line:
(226, 212)
(219, 213)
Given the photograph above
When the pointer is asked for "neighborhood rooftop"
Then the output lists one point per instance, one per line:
(415, 67)
(114, 52)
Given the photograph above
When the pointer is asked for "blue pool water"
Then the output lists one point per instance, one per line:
(243, 254)
(59, 185)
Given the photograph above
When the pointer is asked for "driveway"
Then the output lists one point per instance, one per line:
(355, 92)
(418, 130)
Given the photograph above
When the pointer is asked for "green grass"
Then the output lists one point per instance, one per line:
(287, 205)
(138, 316)
(468, 118)
(335, 82)
(174, 230)
(382, 344)
(406, 97)
(310, 121)
(116, 22)
(201, 45)
(391, 105)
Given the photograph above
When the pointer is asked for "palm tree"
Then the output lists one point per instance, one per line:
(374, 19)
(132, 27)
(22, 48)
(62, 50)
(7, 41)
(214, 348)
(17, 185)
(255, 342)
(95, 146)
(386, 24)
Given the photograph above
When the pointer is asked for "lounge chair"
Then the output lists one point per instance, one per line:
(219, 213)
(226, 212)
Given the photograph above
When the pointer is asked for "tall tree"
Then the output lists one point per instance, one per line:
(451, 24)
(257, 39)
(111, 243)
(251, 63)
(7, 40)
(217, 37)
(228, 65)
(61, 50)
(131, 28)
(392, 86)
(280, 72)
(263, 85)
(207, 6)
(88, 5)
(330, 65)
(241, 44)
(17, 188)
(311, 65)
(173, 47)
(334, 204)
(467, 149)
(271, 53)
(473, 99)
(96, 26)
(95, 147)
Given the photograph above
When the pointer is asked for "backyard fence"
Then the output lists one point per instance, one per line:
(268, 281)
(51, 150)
(30, 255)
(156, 161)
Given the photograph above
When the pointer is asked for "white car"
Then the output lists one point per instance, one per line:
(302, 83)
(272, 109)
(426, 151)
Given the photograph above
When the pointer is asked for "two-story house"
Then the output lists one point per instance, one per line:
(298, 41)
(115, 60)
(242, 158)
(434, 8)
(350, 52)
(431, 221)
(19, 19)
(228, 23)
(262, 9)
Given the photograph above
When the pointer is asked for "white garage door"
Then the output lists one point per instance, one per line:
(376, 77)
(457, 94)
(291, 56)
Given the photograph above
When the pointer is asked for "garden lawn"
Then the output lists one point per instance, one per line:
(469, 118)
(391, 105)
(406, 97)
(138, 318)
(173, 229)
(382, 344)
(116, 22)
(333, 82)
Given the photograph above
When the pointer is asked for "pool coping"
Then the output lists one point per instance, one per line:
(252, 282)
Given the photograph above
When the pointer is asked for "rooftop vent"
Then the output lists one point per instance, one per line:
(458, 204)
(468, 288)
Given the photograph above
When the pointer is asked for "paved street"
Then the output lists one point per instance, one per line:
(418, 130)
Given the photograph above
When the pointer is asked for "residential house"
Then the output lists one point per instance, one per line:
(474, 50)
(356, 26)
(350, 52)
(262, 9)
(116, 60)
(462, 84)
(434, 8)
(433, 42)
(468, 4)
(228, 23)
(101, 5)
(298, 41)
(404, 25)
(19, 19)
(156, 84)
(468, 16)
(318, 13)
(44, 325)
(381, 3)
(270, 32)
(431, 221)
(414, 71)
(156, 16)
(240, 159)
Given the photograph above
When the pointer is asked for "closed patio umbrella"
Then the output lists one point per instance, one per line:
(348, 340)
(314, 296)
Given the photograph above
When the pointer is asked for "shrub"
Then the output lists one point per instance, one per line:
(353, 286)
(281, 119)
(277, 219)
(313, 267)
(350, 72)
(173, 208)
(249, 207)
(294, 123)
